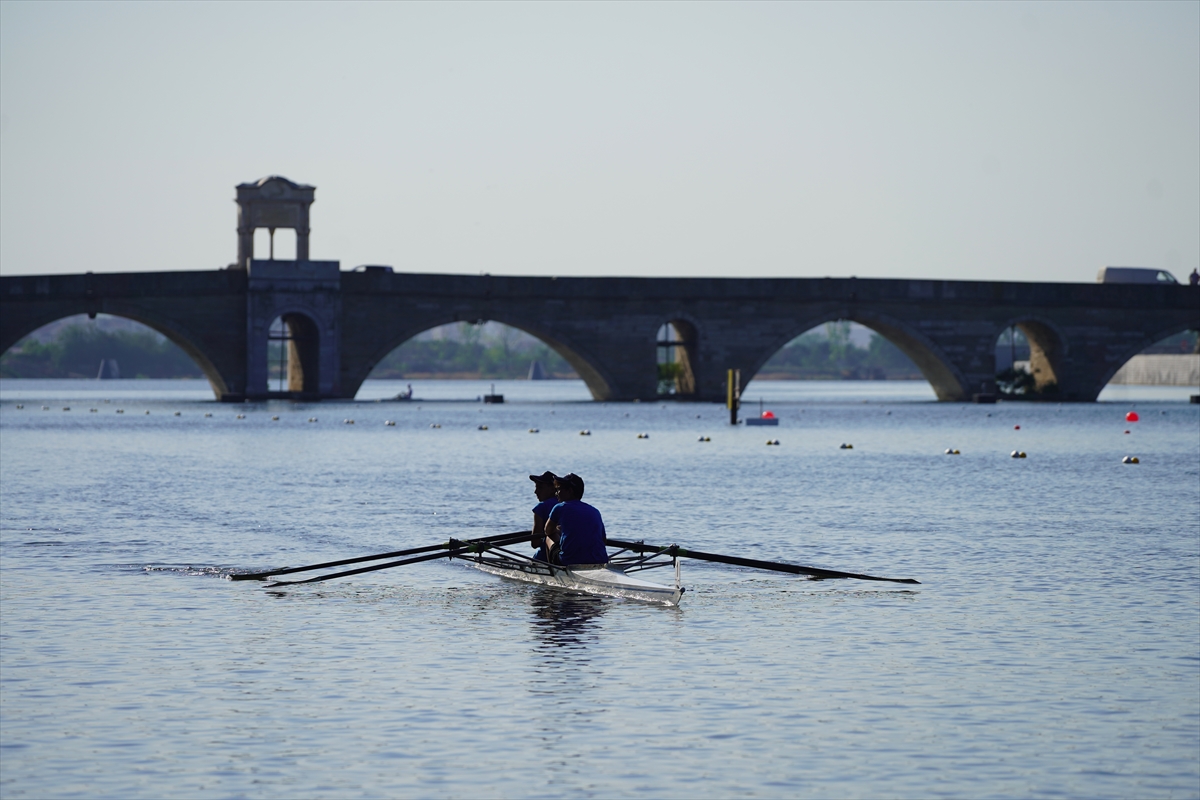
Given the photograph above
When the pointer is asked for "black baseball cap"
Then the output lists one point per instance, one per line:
(545, 477)
(572, 480)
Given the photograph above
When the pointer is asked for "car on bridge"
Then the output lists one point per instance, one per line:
(1134, 275)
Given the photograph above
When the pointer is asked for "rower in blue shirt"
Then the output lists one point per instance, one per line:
(574, 527)
(543, 487)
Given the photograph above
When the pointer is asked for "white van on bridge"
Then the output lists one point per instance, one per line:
(1134, 275)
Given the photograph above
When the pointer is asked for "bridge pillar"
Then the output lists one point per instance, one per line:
(308, 296)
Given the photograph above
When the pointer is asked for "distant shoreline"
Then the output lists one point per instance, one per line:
(472, 376)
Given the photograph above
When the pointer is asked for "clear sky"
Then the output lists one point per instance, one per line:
(1002, 141)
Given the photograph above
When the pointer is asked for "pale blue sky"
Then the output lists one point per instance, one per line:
(986, 141)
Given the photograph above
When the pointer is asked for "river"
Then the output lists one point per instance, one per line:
(1052, 648)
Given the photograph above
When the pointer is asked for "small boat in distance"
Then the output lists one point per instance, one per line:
(405, 395)
(764, 417)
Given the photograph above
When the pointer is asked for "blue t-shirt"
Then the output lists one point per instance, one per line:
(582, 533)
(544, 508)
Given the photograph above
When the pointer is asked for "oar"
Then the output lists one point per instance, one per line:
(258, 576)
(456, 548)
(431, 557)
(776, 566)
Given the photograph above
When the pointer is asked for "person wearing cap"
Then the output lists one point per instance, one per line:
(575, 528)
(543, 487)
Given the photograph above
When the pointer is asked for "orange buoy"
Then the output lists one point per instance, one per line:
(1131, 417)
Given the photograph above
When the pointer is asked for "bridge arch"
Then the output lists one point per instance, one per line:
(585, 364)
(1136, 349)
(947, 381)
(676, 345)
(1048, 349)
(296, 337)
(175, 333)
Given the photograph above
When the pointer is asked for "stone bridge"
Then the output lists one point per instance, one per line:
(338, 325)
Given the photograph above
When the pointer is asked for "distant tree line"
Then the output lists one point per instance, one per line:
(472, 351)
(77, 350)
(830, 354)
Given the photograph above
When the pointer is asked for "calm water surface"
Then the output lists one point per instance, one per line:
(1052, 650)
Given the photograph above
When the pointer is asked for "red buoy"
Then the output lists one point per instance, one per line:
(768, 415)
(1016, 427)
(1131, 416)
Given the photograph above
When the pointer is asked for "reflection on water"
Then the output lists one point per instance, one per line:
(563, 622)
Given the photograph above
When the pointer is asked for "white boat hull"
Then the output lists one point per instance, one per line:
(605, 581)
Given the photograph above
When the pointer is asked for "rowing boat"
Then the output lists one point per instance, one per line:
(490, 554)
(609, 580)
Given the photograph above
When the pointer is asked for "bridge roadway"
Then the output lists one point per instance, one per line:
(344, 323)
